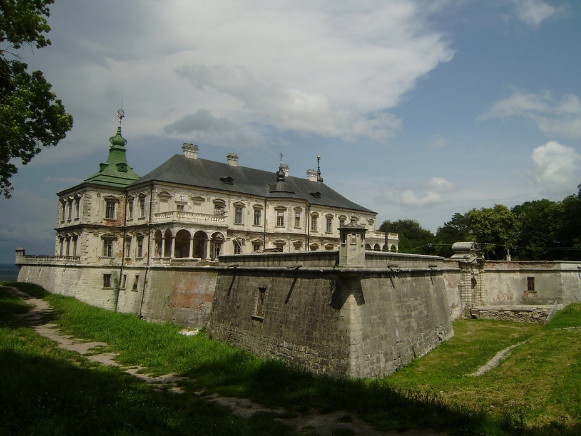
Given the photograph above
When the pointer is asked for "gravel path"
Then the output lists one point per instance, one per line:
(312, 422)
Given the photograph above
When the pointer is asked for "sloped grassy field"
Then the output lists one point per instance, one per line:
(535, 390)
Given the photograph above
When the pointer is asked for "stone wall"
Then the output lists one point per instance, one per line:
(501, 284)
(172, 294)
(361, 322)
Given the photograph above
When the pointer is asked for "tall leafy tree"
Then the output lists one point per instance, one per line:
(413, 238)
(31, 116)
(569, 236)
(540, 223)
(455, 230)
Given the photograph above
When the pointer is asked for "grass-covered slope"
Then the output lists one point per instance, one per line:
(534, 390)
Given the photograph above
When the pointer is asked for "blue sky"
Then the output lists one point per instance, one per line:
(419, 109)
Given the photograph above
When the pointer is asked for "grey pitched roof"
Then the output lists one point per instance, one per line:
(221, 176)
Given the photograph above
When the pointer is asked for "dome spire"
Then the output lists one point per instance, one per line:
(115, 171)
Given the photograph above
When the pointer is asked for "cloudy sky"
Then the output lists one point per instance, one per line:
(418, 108)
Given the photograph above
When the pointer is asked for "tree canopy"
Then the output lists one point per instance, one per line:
(535, 230)
(31, 116)
(412, 237)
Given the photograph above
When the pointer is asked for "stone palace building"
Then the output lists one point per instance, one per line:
(193, 208)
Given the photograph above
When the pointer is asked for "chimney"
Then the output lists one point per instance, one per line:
(190, 150)
(284, 169)
(312, 175)
(232, 159)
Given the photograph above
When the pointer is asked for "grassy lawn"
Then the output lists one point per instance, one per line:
(534, 391)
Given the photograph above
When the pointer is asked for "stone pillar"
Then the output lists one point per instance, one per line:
(470, 261)
(207, 254)
(191, 247)
(162, 254)
(352, 245)
(173, 247)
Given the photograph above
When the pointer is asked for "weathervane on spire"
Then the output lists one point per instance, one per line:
(120, 115)
(281, 155)
(319, 178)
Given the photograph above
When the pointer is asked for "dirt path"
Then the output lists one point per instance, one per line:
(495, 361)
(313, 422)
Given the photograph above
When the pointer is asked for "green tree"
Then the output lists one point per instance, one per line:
(31, 116)
(495, 229)
(540, 224)
(412, 237)
(455, 230)
(569, 235)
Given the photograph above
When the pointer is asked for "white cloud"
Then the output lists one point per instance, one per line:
(554, 167)
(534, 12)
(328, 68)
(427, 195)
(438, 142)
(552, 116)
(440, 184)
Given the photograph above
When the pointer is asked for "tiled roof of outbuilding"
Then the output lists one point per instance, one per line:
(221, 176)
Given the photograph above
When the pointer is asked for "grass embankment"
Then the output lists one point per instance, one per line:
(535, 390)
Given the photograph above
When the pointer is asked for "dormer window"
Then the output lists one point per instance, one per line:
(315, 194)
(227, 180)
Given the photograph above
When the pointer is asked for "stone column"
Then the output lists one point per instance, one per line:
(173, 247)
(191, 247)
(162, 254)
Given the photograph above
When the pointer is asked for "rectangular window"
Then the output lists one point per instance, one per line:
(64, 211)
(70, 216)
(314, 223)
(238, 215)
(106, 280)
(128, 247)
(531, 284)
(107, 247)
(140, 246)
(260, 303)
(142, 207)
(256, 246)
(123, 281)
(280, 218)
(68, 246)
(329, 228)
(237, 247)
(130, 209)
(257, 217)
(136, 282)
(75, 241)
(297, 220)
(77, 208)
(181, 208)
(110, 209)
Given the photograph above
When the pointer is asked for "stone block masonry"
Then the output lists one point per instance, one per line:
(330, 320)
